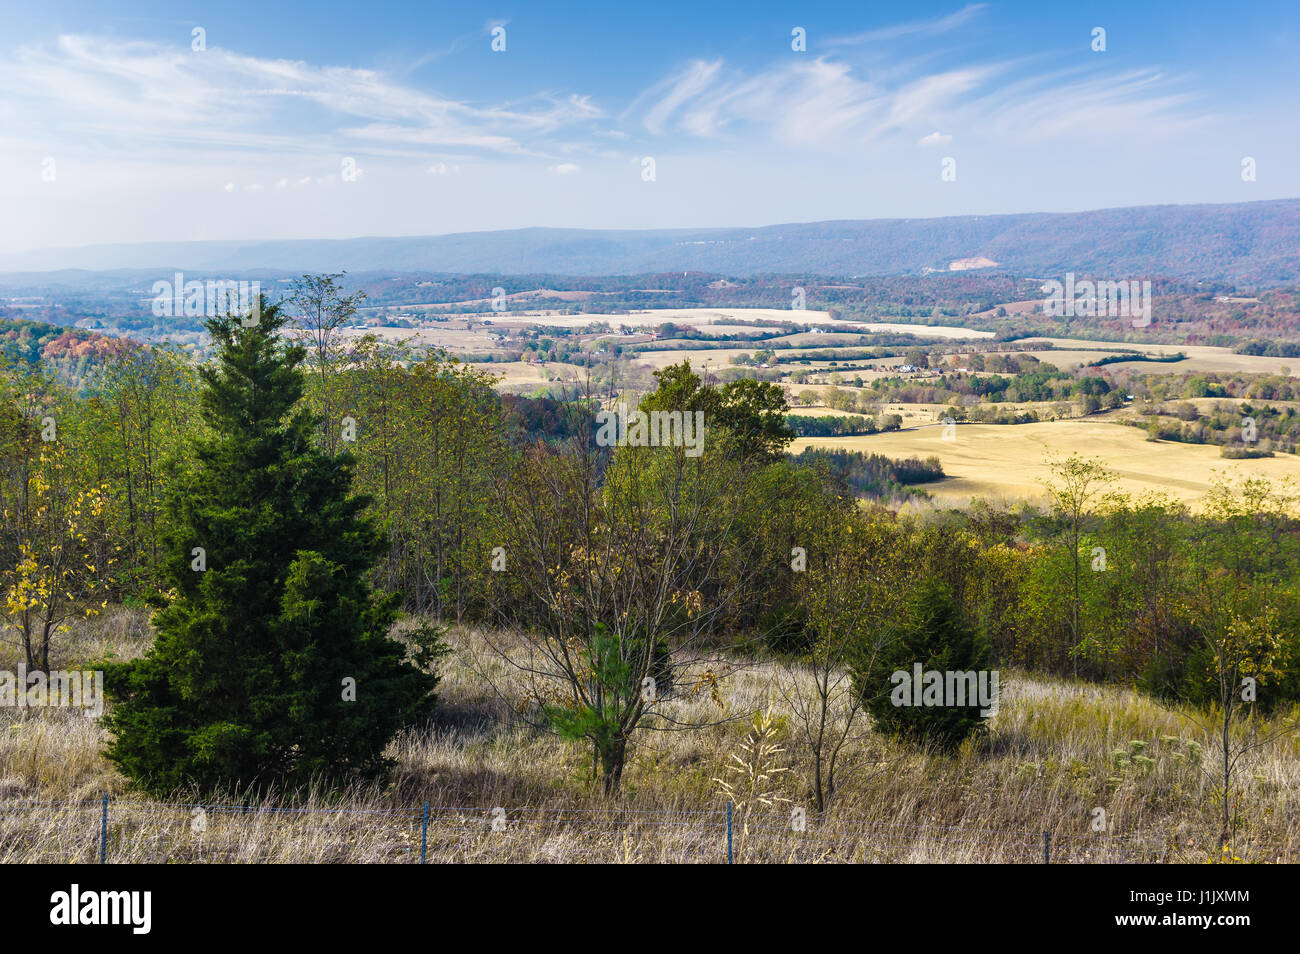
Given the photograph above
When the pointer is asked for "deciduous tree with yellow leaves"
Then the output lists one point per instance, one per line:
(51, 528)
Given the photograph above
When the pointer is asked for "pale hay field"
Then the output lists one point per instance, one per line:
(1199, 357)
(1004, 461)
(1067, 359)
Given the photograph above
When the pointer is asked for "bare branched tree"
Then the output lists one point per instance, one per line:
(616, 567)
(848, 591)
(320, 308)
(1077, 482)
(1240, 632)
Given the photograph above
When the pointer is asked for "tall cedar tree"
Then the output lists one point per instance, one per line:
(245, 686)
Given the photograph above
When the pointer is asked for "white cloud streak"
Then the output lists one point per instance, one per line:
(144, 97)
(825, 103)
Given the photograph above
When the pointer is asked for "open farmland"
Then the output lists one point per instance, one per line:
(1009, 462)
(1199, 357)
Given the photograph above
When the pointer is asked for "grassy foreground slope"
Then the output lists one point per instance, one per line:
(1057, 752)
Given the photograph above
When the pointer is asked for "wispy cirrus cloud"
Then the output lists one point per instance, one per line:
(828, 101)
(690, 86)
(144, 99)
(1125, 107)
(797, 101)
(931, 27)
(150, 98)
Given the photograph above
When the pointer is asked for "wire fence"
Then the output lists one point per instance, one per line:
(128, 831)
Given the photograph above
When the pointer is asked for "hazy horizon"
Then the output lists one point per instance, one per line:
(616, 228)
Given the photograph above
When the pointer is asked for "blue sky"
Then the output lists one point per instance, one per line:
(342, 119)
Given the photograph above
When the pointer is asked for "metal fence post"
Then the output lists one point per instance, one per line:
(103, 832)
(729, 861)
(424, 835)
(1047, 848)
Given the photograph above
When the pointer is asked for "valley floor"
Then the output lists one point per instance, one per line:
(1009, 462)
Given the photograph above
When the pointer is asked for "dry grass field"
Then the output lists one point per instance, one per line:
(1067, 359)
(1057, 751)
(1007, 462)
(1199, 357)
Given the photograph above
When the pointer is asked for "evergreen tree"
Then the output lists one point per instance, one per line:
(930, 631)
(272, 664)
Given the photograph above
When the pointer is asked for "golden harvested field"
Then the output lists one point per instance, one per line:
(524, 377)
(1068, 359)
(1199, 357)
(515, 371)
(1011, 461)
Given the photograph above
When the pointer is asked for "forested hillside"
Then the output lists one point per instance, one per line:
(1248, 242)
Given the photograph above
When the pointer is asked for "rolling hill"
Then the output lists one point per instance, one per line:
(1252, 243)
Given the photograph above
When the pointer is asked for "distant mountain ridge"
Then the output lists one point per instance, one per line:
(1249, 242)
